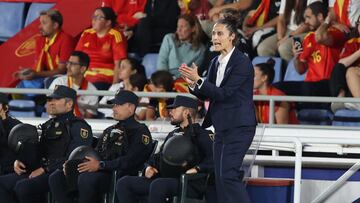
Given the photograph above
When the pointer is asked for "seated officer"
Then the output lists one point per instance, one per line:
(163, 172)
(7, 156)
(60, 135)
(121, 147)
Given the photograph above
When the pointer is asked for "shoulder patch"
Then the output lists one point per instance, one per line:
(84, 133)
(145, 139)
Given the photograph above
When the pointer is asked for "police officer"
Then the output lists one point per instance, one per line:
(7, 156)
(60, 135)
(162, 174)
(123, 147)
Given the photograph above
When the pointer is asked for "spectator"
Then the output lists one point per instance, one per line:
(321, 50)
(186, 45)
(261, 23)
(290, 23)
(161, 18)
(264, 75)
(78, 63)
(128, 12)
(344, 14)
(128, 68)
(52, 50)
(105, 46)
(345, 78)
(161, 81)
(219, 5)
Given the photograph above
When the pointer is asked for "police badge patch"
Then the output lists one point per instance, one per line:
(145, 139)
(84, 133)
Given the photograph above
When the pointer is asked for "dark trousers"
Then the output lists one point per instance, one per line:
(132, 188)
(91, 186)
(230, 147)
(13, 186)
(338, 81)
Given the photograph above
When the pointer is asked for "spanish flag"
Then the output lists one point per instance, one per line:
(261, 14)
(341, 7)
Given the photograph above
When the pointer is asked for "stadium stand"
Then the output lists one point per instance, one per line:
(291, 74)
(346, 117)
(149, 62)
(11, 19)
(34, 11)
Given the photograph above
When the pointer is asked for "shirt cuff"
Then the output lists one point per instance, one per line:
(199, 84)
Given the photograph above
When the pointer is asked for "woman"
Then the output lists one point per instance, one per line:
(186, 45)
(229, 87)
(127, 68)
(105, 46)
(264, 76)
(345, 78)
(290, 23)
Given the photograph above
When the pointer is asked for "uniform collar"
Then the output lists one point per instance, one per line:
(128, 123)
(65, 116)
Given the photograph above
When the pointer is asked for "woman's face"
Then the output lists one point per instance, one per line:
(221, 38)
(99, 22)
(259, 78)
(184, 30)
(125, 70)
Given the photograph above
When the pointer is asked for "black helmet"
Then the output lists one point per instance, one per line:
(178, 150)
(82, 151)
(22, 133)
(77, 157)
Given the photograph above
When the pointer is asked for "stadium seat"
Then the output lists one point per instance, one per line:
(150, 63)
(315, 117)
(34, 11)
(277, 67)
(346, 117)
(291, 74)
(22, 108)
(11, 19)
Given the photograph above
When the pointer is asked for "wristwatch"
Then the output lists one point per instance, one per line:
(102, 165)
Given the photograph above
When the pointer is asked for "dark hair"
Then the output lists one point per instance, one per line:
(267, 69)
(138, 80)
(198, 37)
(234, 15)
(230, 24)
(84, 59)
(136, 65)
(5, 107)
(299, 9)
(54, 15)
(164, 78)
(318, 8)
(109, 14)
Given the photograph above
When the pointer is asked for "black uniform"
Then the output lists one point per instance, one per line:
(165, 183)
(123, 147)
(60, 135)
(7, 156)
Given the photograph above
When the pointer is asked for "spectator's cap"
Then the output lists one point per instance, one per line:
(125, 96)
(3, 98)
(185, 102)
(62, 91)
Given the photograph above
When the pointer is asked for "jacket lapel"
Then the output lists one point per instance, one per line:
(231, 64)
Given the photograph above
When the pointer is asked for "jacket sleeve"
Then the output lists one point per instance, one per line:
(206, 147)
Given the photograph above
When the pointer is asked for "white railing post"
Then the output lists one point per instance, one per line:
(297, 175)
(272, 112)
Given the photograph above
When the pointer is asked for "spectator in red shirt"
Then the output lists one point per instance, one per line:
(284, 112)
(106, 48)
(345, 79)
(318, 54)
(128, 12)
(52, 50)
